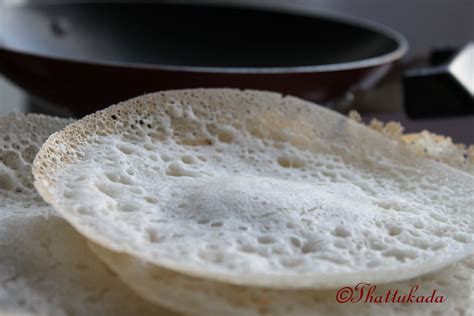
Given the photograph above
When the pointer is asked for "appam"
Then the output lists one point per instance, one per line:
(442, 149)
(197, 296)
(426, 144)
(46, 268)
(254, 188)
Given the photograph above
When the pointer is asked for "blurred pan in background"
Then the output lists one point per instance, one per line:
(86, 56)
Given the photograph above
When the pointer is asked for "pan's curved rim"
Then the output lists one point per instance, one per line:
(372, 26)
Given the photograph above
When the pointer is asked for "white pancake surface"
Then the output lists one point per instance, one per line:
(46, 268)
(452, 285)
(253, 188)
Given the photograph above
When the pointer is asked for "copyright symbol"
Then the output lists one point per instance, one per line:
(344, 294)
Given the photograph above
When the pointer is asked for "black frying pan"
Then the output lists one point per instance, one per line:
(87, 56)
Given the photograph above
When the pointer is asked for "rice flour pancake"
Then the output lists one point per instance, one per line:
(205, 297)
(46, 267)
(426, 144)
(443, 149)
(196, 296)
(253, 188)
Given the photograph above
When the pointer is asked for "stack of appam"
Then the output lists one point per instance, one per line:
(229, 202)
(46, 267)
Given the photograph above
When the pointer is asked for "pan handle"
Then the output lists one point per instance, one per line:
(443, 90)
